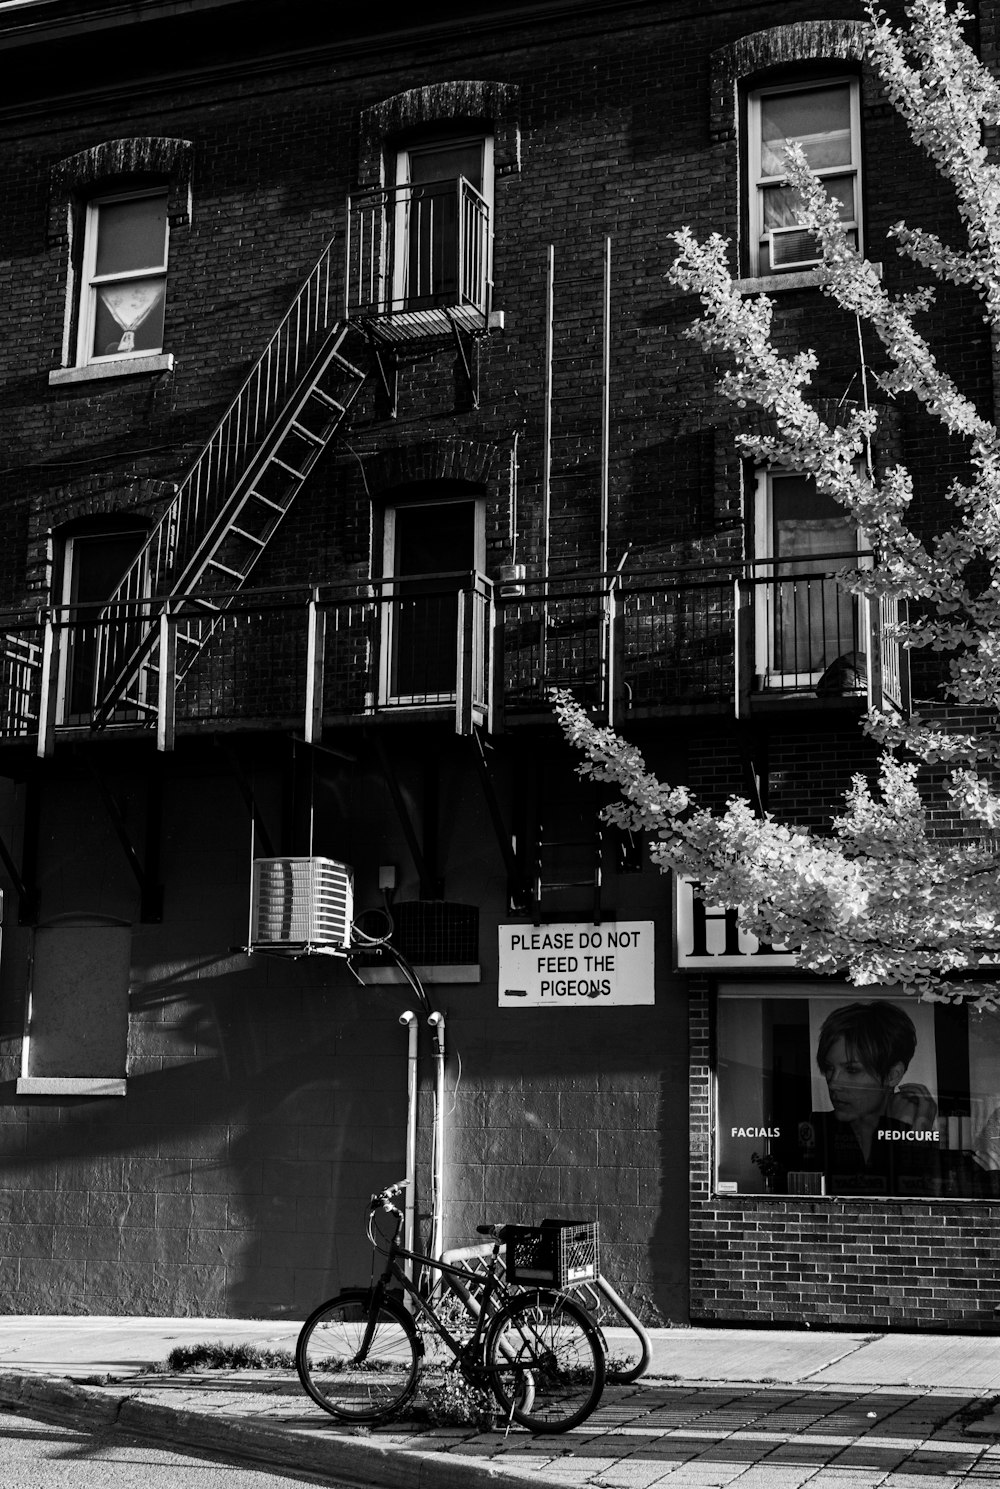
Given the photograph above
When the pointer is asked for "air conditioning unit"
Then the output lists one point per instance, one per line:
(794, 248)
(301, 905)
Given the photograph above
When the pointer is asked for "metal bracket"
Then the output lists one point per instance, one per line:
(388, 371)
(147, 874)
(27, 897)
(430, 884)
(466, 359)
(246, 791)
(752, 776)
(519, 890)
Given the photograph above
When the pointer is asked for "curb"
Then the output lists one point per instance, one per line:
(361, 1459)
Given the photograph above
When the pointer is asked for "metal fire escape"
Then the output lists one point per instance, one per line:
(229, 505)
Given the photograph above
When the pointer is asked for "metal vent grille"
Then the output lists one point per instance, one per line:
(301, 902)
(436, 933)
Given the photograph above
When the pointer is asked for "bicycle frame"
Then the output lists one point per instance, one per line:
(493, 1287)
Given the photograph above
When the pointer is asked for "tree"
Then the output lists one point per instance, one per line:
(880, 898)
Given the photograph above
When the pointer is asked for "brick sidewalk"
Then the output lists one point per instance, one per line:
(677, 1434)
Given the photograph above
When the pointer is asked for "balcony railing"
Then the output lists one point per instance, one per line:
(806, 633)
(448, 646)
(418, 260)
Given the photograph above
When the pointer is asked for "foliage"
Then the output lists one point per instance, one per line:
(219, 1356)
(451, 1401)
(882, 898)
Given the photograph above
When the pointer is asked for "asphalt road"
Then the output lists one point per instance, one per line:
(40, 1455)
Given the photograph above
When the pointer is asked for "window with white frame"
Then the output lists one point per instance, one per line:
(806, 621)
(443, 193)
(123, 277)
(431, 550)
(93, 564)
(824, 118)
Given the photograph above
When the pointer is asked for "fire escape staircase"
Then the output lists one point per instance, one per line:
(229, 505)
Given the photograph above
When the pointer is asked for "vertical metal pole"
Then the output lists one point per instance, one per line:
(602, 563)
(48, 691)
(463, 703)
(315, 663)
(166, 689)
(347, 260)
(409, 1021)
(606, 407)
(547, 457)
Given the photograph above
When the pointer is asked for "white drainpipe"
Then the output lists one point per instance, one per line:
(436, 1022)
(409, 1020)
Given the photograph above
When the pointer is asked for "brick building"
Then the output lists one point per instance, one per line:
(346, 410)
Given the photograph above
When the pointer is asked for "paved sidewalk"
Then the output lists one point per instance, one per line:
(757, 1409)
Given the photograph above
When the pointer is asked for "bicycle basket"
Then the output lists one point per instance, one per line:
(557, 1251)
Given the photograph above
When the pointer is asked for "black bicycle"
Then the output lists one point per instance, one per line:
(537, 1352)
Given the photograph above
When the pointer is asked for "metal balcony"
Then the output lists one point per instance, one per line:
(447, 647)
(804, 634)
(418, 261)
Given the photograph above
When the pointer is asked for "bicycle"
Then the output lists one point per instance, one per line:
(537, 1352)
(630, 1356)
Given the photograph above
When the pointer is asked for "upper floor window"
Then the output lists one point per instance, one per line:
(806, 622)
(443, 198)
(123, 280)
(824, 118)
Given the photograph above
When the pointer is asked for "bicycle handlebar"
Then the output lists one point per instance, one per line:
(384, 1199)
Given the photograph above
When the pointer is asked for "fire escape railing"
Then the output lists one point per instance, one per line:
(419, 255)
(235, 438)
(189, 516)
(450, 645)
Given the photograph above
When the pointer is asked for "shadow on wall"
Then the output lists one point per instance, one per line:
(264, 1107)
(231, 1177)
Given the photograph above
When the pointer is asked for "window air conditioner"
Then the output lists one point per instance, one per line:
(301, 905)
(794, 248)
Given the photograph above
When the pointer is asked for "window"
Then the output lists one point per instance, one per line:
(93, 565)
(805, 620)
(441, 233)
(431, 550)
(854, 1093)
(77, 1020)
(824, 118)
(123, 278)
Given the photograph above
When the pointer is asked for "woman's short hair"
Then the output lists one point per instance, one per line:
(878, 1035)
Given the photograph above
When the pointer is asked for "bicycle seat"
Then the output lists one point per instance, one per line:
(496, 1231)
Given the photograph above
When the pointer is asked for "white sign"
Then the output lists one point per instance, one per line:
(709, 936)
(576, 966)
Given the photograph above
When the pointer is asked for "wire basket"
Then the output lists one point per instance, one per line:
(557, 1251)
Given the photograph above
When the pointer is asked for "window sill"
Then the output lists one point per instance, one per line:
(798, 279)
(98, 371)
(70, 1085)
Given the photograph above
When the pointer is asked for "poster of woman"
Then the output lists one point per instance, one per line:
(857, 1091)
(873, 1126)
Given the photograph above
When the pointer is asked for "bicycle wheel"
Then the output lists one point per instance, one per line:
(359, 1360)
(549, 1338)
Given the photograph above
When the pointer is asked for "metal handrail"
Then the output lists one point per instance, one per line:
(387, 225)
(265, 391)
(660, 640)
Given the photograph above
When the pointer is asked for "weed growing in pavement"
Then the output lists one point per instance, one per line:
(219, 1356)
(450, 1401)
